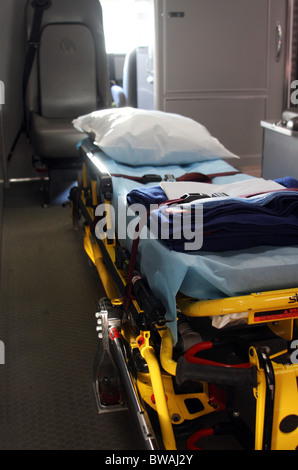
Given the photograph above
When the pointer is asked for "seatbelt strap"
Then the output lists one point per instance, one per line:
(34, 40)
(195, 177)
(33, 44)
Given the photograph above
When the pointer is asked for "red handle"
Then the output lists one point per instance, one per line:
(190, 356)
(196, 436)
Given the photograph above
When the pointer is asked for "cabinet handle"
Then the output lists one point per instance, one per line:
(279, 40)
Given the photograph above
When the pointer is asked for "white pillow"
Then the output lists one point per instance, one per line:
(141, 137)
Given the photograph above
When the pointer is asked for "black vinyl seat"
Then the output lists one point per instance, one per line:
(68, 78)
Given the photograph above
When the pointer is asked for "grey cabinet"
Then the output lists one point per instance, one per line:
(280, 151)
(223, 63)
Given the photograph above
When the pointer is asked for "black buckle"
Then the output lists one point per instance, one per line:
(189, 197)
(151, 179)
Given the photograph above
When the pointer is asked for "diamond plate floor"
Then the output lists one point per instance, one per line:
(49, 295)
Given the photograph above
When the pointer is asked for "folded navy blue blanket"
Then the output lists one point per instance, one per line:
(147, 196)
(287, 182)
(155, 194)
(228, 223)
(232, 223)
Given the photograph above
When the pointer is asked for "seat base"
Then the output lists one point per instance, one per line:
(54, 139)
(56, 185)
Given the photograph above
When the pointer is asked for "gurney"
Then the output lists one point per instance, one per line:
(196, 343)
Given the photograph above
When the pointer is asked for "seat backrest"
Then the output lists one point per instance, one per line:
(130, 78)
(69, 76)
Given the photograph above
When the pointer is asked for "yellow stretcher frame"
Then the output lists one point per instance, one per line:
(275, 308)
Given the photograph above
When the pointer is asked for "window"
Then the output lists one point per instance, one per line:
(127, 24)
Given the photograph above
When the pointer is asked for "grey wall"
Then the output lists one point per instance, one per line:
(1, 174)
(12, 44)
(12, 40)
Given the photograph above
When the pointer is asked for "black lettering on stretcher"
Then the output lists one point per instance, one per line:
(273, 315)
(293, 299)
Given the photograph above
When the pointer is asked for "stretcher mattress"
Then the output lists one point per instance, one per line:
(198, 274)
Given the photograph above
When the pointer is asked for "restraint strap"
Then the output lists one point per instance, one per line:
(33, 44)
(34, 40)
(196, 177)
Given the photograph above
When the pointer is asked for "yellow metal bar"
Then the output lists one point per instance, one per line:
(84, 174)
(261, 307)
(94, 253)
(166, 352)
(178, 410)
(158, 390)
(285, 429)
(160, 399)
(260, 396)
(279, 353)
(94, 193)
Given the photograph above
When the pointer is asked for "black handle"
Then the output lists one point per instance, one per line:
(215, 374)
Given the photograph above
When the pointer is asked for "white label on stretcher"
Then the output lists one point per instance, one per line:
(2, 93)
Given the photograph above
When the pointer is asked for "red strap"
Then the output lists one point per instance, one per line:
(191, 357)
(196, 177)
(201, 178)
(132, 262)
(196, 436)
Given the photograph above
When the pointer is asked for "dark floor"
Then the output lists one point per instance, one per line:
(49, 294)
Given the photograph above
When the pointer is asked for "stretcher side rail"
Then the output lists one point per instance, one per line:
(87, 150)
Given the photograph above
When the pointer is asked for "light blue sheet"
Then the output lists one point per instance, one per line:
(202, 275)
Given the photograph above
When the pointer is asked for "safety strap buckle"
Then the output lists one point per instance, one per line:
(151, 178)
(169, 178)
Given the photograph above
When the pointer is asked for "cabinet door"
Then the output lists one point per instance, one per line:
(218, 45)
(219, 62)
